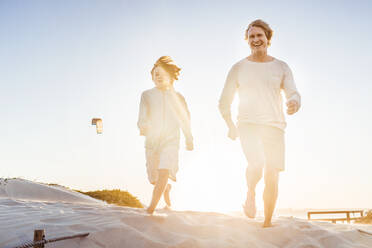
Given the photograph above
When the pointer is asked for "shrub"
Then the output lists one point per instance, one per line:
(367, 218)
(116, 196)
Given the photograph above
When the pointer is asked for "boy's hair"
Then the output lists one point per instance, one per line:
(168, 65)
(261, 24)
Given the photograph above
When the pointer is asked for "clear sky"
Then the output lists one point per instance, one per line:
(64, 62)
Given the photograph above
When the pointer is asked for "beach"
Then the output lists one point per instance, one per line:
(26, 206)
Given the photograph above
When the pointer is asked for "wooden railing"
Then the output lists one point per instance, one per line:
(347, 217)
(40, 241)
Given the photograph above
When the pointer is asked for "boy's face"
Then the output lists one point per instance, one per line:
(161, 78)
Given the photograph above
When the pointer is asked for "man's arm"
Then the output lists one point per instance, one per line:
(291, 92)
(226, 99)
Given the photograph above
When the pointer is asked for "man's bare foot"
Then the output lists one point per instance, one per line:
(167, 208)
(267, 224)
(166, 195)
(250, 205)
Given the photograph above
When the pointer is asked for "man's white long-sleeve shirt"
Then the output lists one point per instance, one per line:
(259, 87)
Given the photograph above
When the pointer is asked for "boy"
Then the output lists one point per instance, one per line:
(163, 111)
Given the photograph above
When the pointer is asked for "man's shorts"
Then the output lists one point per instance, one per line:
(263, 145)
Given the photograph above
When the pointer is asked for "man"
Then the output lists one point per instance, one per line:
(259, 79)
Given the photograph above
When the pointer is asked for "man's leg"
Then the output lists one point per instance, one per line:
(253, 151)
(270, 194)
(158, 189)
(253, 176)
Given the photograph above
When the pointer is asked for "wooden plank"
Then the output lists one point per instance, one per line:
(365, 232)
(337, 219)
(336, 212)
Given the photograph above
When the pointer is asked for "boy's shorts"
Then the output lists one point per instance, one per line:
(164, 158)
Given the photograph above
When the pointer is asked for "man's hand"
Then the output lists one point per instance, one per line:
(292, 107)
(189, 144)
(143, 131)
(233, 132)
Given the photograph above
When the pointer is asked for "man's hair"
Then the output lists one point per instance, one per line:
(261, 24)
(168, 65)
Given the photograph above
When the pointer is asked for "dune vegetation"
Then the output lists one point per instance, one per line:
(367, 218)
(116, 196)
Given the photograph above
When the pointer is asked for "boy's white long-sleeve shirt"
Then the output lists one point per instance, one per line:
(259, 87)
(162, 114)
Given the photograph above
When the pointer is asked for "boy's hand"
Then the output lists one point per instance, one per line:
(292, 107)
(189, 144)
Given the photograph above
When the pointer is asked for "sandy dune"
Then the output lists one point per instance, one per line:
(26, 190)
(62, 212)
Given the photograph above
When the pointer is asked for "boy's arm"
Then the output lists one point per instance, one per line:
(186, 123)
(142, 116)
(184, 104)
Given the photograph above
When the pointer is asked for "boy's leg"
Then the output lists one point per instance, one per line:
(158, 189)
(166, 195)
(270, 194)
(168, 160)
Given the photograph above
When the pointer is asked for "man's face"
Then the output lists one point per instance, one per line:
(257, 40)
(161, 78)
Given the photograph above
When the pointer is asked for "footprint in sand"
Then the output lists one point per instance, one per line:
(52, 220)
(158, 217)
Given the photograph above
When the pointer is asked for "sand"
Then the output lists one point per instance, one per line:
(25, 206)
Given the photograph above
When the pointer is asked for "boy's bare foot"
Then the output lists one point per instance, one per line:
(166, 195)
(150, 210)
(267, 224)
